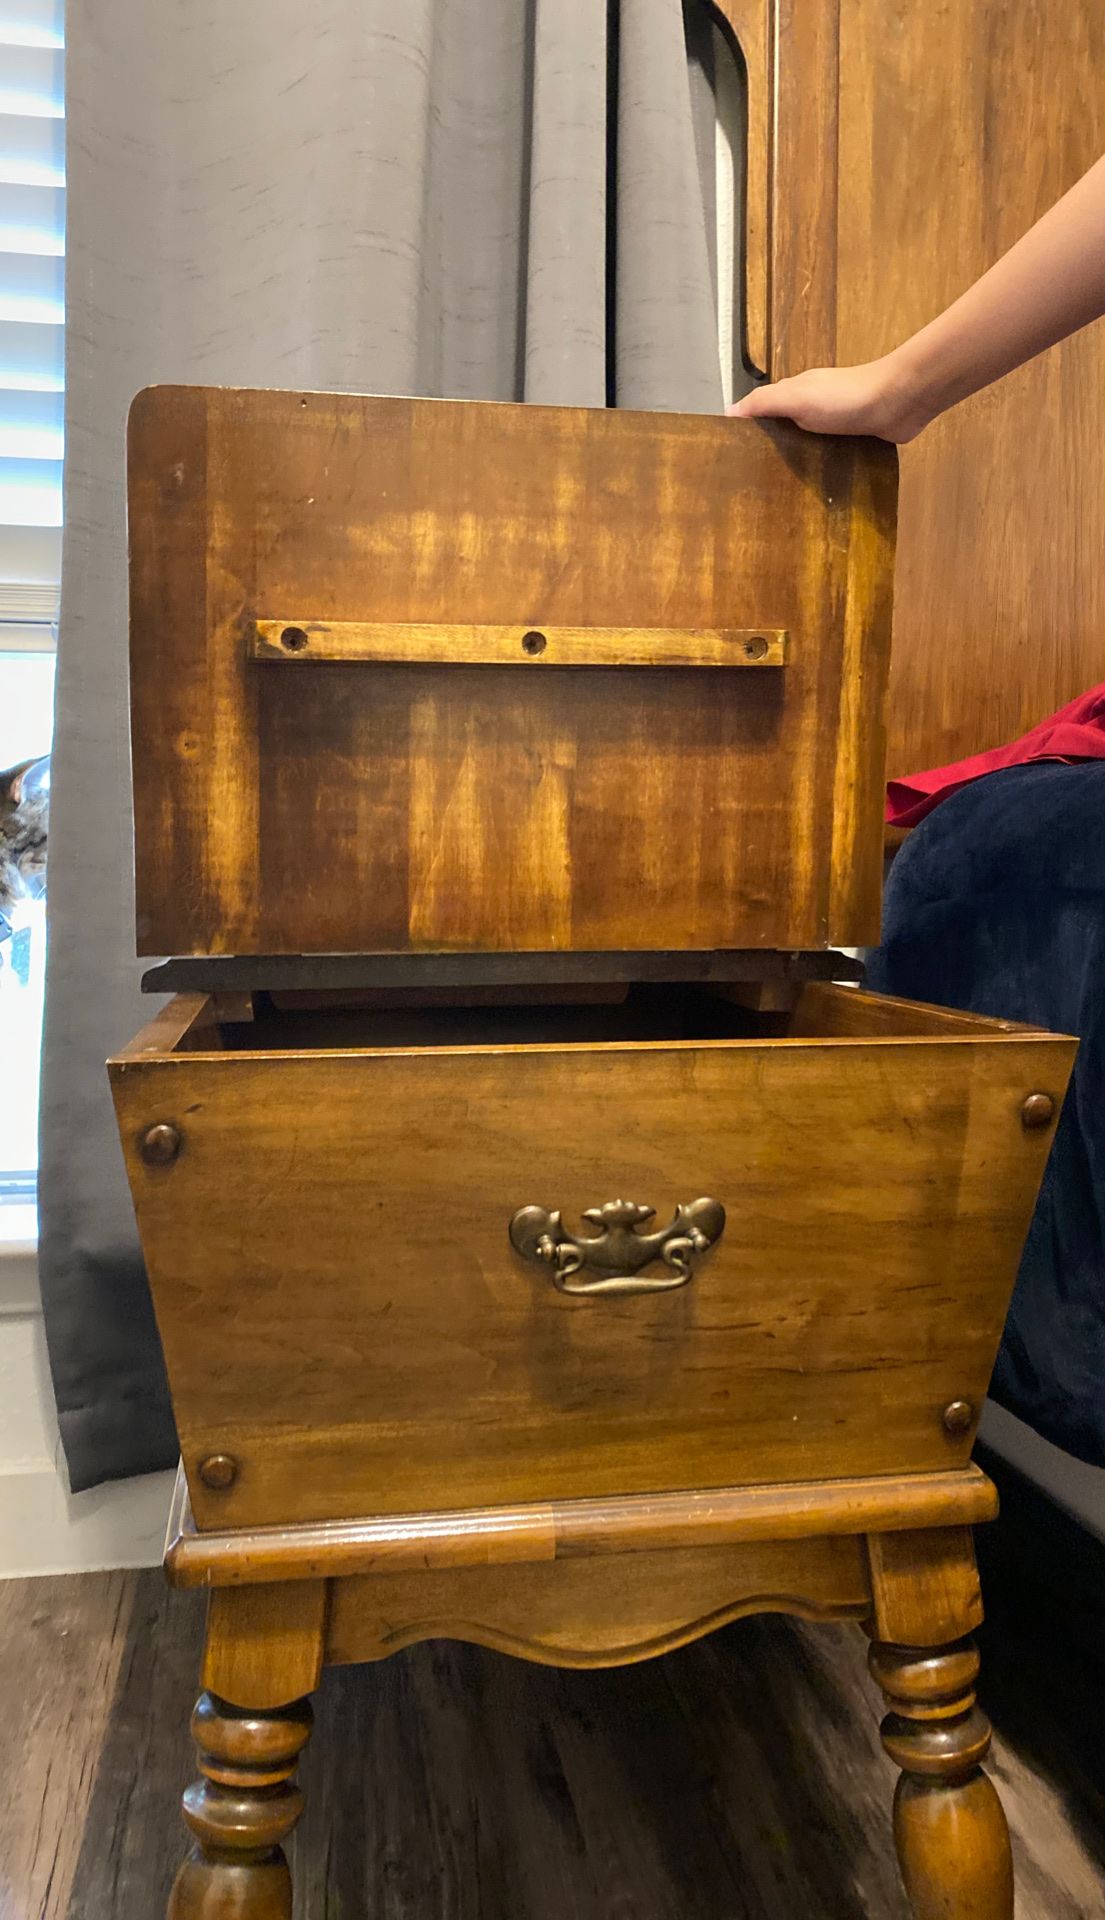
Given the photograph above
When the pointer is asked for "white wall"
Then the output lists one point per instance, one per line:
(43, 1527)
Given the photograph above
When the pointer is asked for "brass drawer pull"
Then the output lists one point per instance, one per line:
(617, 1253)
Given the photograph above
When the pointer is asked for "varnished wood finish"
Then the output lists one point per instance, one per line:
(173, 1027)
(604, 1608)
(232, 1006)
(925, 1585)
(599, 1612)
(804, 185)
(860, 772)
(820, 1338)
(949, 1825)
(574, 1529)
(423, 807)
(240, 1811)
(790, 51)
(265, 1644)
(751, 25)
(960, 124)
(858, 1015)
(304, 643)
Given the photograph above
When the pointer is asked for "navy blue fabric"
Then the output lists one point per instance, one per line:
(996, 904)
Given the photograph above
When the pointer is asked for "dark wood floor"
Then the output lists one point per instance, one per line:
(739, 1779)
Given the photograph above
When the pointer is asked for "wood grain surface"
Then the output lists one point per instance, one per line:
(574, 1529)
(950, 1827)
(805, 160)
(264, 1645)
(750, 24)
(342, 1312)
(63, 1643)
(347, 809)
(599, 1612)
(961, 121)
(302, 643)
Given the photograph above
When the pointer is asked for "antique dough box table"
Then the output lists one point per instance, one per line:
(546, 1252)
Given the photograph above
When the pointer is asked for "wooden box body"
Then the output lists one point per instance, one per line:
(562, 680)
(344, 1315)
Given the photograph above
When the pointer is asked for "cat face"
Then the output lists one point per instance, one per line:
(24, 815)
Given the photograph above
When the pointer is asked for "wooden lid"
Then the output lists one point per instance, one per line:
(417, 675)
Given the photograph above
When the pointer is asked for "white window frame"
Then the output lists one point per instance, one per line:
(32, 248)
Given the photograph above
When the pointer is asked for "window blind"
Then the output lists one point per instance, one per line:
(32, 300)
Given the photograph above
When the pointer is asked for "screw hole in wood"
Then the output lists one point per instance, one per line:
(534, 643)
(294, 639)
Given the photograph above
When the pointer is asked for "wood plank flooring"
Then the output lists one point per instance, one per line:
(61, 1646)
(739, 1779)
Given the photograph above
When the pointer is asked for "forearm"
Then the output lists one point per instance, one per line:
(1046, 287)
(1051, 283)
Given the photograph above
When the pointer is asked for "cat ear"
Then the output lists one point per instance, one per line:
(30, 780)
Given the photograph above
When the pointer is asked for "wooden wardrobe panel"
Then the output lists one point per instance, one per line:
(750, 24)
(804, 185)
(961, 121)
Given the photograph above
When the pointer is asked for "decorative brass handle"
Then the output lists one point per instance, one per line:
(617, 1253)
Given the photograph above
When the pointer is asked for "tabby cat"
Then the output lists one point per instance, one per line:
(24, 816)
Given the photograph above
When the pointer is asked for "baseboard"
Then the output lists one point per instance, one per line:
(1071, 1484)
(1043, 1572)
(19, 1289)
(46, 1529)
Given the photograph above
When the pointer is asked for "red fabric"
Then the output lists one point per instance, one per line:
(1076, 732)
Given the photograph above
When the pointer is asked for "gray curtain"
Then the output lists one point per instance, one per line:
(497, 199)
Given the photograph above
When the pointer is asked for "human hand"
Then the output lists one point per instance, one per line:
(872, 399)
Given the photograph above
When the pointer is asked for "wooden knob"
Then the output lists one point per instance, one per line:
(219, 1471)
(959, 1417)
(1037, 1111)
(161, 1144)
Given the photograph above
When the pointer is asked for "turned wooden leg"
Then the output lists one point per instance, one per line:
(240, 1811)
(949, 1827)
